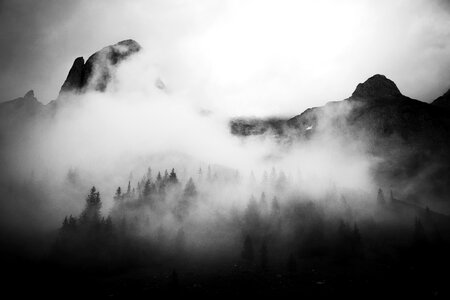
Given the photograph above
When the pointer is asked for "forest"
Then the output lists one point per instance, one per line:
(165, 235)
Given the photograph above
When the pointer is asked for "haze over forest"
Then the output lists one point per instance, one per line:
(242, 147)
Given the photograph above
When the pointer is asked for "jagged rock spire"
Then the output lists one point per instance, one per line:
(96, 73)
(74, 80)
(29, 95)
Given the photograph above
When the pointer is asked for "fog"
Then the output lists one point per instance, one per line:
(107, 139)
(145, 179)
(251, 57)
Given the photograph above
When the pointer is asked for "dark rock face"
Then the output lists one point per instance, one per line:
(30, 95)
(98, 70)
(377, 86)
(443, 101)
(74, 80)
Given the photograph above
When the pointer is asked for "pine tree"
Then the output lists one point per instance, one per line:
(184, 204)
(129, 188)
(147, 189)
(173, 177)
(91, 212)
(118, 195)
(264, 207)
(72, 222)
(190, 189)
(162, 188)
(65, 224)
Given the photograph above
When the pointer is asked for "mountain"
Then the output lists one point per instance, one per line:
(98, 70)
(443, 101)
(27, 103)
(23, 107)
(376, 107)
(409, 138)
(92, 75)
(376, 87)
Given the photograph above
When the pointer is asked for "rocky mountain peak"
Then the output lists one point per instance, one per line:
(96, 72)
(74, 78)
(377, 86)
(29, 95)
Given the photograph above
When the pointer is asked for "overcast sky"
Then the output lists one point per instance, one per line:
(270, 57)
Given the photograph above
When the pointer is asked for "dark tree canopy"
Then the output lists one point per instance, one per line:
(91, 212)
(173, 177)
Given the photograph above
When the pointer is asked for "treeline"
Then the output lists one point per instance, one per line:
(268, 234)
(125, 236)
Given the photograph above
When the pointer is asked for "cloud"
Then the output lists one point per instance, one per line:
(242, 57)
